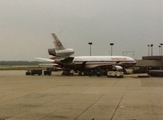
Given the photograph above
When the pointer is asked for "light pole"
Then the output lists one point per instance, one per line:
(148, 50)
(90, 43)
(151, 49)
(111, 44)
(161, 48)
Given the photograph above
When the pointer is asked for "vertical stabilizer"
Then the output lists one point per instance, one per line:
(58, 45)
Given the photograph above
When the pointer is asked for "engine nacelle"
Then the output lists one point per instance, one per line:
(61, 53)
(52, 52)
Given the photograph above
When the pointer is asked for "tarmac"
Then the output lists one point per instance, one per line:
(59, 97)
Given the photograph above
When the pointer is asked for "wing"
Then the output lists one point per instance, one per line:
(51, 64)
(48, 64)
(45, 59)
(67, 60)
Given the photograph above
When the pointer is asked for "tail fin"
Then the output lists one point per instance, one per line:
(58, 45)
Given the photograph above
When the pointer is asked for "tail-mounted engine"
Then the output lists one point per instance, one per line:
(52, 52)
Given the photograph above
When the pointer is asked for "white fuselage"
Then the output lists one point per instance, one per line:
(94, 61)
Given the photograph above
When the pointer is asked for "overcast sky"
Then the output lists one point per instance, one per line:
(26, 27)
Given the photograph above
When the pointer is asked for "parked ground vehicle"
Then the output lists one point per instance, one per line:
(33, 72)
(157, 73)
(116, 71)
(47, 72)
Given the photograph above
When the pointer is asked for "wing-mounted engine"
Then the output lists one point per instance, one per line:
(67, 62)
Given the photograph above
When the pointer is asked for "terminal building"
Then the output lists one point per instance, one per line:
(148, 63)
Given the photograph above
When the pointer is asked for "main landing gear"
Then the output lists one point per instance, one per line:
(67, 73)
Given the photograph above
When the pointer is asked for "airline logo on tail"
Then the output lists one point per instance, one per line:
(58, 45)
(60, 51)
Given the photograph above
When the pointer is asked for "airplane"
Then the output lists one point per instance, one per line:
(83, 64)
(60, 51)
(90, 65)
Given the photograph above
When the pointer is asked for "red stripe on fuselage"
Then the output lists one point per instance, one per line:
(124, 63)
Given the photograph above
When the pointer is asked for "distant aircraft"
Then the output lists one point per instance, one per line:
(92, 64)
(60, 51)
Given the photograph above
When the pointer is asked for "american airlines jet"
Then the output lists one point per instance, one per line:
(92, 64)
(60, 51)
(84, 64)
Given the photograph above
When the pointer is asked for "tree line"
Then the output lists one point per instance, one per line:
(12, 63)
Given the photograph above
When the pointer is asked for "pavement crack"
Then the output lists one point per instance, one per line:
(90, 106)
(118, 104)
